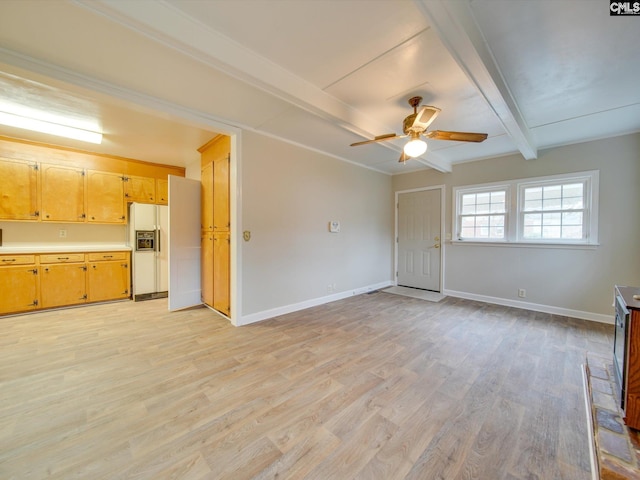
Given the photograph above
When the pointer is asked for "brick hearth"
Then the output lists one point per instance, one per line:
(616, 447)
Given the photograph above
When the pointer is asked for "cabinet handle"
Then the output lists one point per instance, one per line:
(9, 259)
(107, 256)
(63, 258)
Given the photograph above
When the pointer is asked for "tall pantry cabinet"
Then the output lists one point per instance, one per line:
(216, 223)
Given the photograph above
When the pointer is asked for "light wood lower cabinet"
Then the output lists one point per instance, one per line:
(19, 283)
(63, 280)
(207, 268)
(108, 276)
(221, 272)
(31, 282)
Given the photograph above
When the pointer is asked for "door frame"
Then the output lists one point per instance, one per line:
(442, 189)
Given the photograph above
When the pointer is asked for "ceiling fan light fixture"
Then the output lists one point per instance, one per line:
(415, 147)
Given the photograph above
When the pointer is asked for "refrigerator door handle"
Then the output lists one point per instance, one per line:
(158, 240)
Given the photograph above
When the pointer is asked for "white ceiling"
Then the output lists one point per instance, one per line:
(162, 77)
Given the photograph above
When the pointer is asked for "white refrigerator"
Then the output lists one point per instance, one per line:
(149, 241)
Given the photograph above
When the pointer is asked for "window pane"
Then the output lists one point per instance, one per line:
(497, 197)
(468, 209)
(550, 219)
(572, 203)
(573, 190)
(497, 232)
(468, 222)
(572, 218)
(532, 232)
(572, 232)
(551, 231)
(532, 193)
(469, 199)
(531, 219)
(552, 191)
(467, 232)
(532, 205)
(482, 221)
(552, 203)
(496, 220)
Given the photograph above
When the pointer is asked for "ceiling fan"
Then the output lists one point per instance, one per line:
(416, 125)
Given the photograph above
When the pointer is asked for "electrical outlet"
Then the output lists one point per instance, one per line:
(522, 293)
(62, 233)
(329, 288)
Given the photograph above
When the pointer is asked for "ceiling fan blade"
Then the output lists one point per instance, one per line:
(404, 157)
(457, 136)
(379, 138)
(425, 116)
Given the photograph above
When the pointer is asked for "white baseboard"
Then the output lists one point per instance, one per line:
(536, 307)
(274, 312)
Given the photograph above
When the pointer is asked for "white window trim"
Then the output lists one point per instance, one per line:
(487, 187)
(513, 214)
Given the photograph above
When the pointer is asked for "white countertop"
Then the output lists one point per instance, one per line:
(63, 248)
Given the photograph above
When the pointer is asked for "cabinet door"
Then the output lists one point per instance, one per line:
(162, 191)
(207, 268)
(108, 280)
(63, 284)
(140, 189)
(221, 273)
(18, 190)
(62, 194)
(221, 221)
(19, 287)
(206, 181)
(105, 197)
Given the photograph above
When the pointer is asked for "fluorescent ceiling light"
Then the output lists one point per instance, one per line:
(42, 126)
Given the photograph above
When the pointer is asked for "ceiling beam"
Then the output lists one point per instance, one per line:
(166, 24)
(455, 24)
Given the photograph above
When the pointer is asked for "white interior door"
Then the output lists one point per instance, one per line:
(184, 243)
(419, 230)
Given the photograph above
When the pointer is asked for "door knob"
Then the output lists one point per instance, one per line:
(437, 245)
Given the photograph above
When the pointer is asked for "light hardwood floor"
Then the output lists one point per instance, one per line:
(372, 387)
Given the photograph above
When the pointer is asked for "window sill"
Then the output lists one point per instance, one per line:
(570, 246)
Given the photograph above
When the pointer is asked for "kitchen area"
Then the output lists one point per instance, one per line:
(79, 227)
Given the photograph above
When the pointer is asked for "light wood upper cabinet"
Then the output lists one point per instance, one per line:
(221, 219)
(18, 190)
(105, 197)
(62, 193)
(139, 189)
(206, 182)
(162, 191)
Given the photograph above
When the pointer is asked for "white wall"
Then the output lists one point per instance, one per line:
(289, 195)
(577, 282)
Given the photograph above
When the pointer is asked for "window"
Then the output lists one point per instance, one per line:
(560, 209)
(482, 214)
